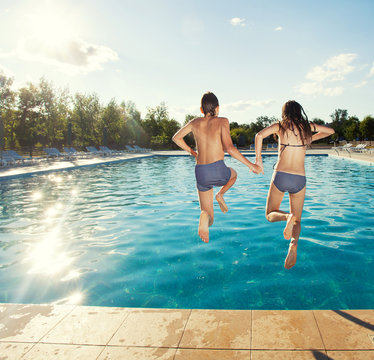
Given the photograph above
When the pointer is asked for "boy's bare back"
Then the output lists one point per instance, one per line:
(209, 137)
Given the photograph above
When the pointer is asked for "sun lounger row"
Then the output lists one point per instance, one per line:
(11, 157)
(358, 148)
(70, 152)
(350, 148)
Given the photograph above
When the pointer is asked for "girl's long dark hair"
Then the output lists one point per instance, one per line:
(293, 116)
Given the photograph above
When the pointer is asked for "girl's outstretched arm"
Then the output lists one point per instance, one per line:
(272, 129)
(178, 139)
(322, 131)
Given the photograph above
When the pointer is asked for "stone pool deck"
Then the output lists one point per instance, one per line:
(83, 332)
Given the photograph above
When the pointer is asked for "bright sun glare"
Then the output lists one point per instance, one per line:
(50, 24)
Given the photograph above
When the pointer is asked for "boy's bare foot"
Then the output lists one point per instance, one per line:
(222, 203)
(204, 226)
(291, 256)
(287, 232)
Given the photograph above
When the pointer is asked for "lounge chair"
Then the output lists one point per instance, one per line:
(110, 152)
(72, 153)
(94, 151)
(6, 159)
(344, 147)
(130, 148)
(82, 154)
(138, 148)
(54, 153)
(18, 157)
(252, 147)
(358, 148)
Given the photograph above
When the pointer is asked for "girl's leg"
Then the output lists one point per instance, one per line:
(273, 203)
(273, 213)
(207, 213)
(296, 208)
(219, 196)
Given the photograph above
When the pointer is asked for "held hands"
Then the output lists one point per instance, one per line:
(256, 169)
(258, 164)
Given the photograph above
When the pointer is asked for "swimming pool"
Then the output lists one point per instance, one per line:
(125, 234)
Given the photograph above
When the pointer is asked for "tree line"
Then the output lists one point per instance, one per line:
(39, 115)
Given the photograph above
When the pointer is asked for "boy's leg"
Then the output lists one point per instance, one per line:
(207, 213)
(296, 205)
(219, 196)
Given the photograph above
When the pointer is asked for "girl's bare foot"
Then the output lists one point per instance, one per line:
(287, 232)
(292, 254)
(222, 203)
(204, 226)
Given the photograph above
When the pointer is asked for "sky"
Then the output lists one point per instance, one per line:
(254, 55)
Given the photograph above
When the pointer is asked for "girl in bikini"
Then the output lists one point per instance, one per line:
(294, 135)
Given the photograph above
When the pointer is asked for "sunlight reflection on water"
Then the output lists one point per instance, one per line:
(126, 235)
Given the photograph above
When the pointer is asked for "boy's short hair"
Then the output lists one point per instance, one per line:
(209, 102)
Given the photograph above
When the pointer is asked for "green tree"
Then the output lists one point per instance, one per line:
(111, 123)
(159, 127)
(7, 114)
(85, 119)
(318, 121)
(261, 123)
(28, 106)
(351, 130)
(51, 126)
(240, 136)
(339, 119)
(367, 128)
(132, 130)
(234, 125)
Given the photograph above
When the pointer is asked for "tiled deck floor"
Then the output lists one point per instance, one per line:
(80, 332)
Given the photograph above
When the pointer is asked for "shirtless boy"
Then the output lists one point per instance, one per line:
(212, 137)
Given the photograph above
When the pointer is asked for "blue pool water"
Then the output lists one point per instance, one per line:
(126, 235)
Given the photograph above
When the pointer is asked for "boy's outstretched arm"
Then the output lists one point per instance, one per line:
(322, 131)
(232, 150)
(178, 139)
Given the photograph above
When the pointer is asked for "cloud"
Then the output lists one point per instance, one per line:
(243, 105)
(182, 111)
(279, 28)
(333, 70)
(360, 84)
(334, 91)
(72, 55)
(237, 21)
(372, 70)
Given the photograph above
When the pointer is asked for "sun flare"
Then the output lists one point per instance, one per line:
(50, 24)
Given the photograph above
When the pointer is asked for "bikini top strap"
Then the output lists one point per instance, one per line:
(285, 145)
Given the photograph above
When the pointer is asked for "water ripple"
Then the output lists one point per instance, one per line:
(126, 235)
